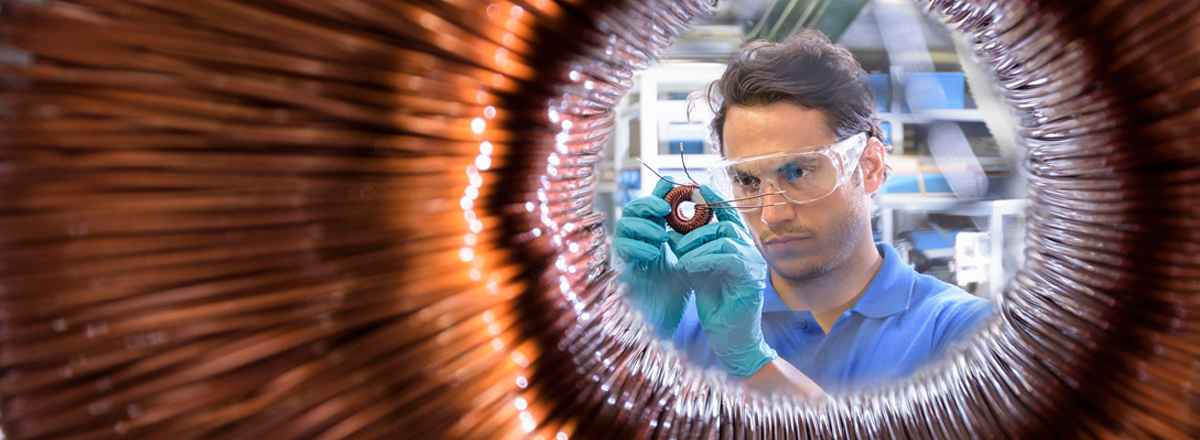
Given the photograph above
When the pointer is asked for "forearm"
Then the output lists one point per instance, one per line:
(779, 376)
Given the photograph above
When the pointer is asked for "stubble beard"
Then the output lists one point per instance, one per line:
(838, 244)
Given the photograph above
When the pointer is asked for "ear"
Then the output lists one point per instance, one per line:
(872, 166)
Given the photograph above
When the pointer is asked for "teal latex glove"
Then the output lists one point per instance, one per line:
(728, 275)
(656, 285)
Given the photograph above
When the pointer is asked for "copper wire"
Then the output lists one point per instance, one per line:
(368, 219)
(680, 221)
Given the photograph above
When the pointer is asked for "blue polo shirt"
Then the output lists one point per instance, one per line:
(902, 322)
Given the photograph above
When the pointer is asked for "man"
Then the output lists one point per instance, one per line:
(791, 293)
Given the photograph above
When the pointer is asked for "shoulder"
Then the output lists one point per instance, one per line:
(947, 301)
(942, 295)
(954, 312)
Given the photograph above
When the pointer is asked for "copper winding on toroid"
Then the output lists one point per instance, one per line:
(677, 220)
(681, 193)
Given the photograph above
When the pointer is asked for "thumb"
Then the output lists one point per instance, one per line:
(730, 215)
(663, 187)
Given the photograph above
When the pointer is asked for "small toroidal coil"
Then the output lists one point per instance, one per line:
(677, 219)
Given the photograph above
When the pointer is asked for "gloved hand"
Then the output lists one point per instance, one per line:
(728, 275)
(656, 285)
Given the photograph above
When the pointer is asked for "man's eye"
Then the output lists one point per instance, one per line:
(794, 173)
(746, 181)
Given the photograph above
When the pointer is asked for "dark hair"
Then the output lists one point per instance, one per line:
(805, 69)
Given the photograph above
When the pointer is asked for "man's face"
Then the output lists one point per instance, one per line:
(800, 241)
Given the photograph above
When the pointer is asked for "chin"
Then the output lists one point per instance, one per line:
(800, 268)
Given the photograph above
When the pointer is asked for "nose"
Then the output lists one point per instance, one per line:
(778, 209)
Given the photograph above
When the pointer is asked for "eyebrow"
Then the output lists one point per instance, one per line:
(743, 172)
(793, 163)
(802, 160)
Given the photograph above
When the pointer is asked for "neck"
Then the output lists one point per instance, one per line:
(835, 292)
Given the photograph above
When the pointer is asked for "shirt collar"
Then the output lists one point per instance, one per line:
(771, 300)
(889, 292)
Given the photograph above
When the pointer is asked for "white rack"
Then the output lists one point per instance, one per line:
(655, 114)
(995, 210)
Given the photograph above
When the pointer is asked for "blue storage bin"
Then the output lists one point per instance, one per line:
(907, 183)
(686, 136)
(931, 240)
(689, 146)
(953, 85)
(629, 186)
(881, 87)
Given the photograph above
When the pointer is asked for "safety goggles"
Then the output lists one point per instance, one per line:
(800, 175)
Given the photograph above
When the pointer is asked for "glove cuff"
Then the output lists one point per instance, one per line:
(743, 363)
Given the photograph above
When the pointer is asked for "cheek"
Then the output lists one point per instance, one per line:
(829, 206)
(833, 211)
(754, 223)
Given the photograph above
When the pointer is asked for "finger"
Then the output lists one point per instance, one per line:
(729, 215)
(721, 246)
(673, 239)
(733, 265)
(663, 187)
(642, 230)
(706, 234)
(699, 259)
(653, 208)
(632, 250)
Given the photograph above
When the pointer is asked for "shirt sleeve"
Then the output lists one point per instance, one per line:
(959, 319)
(691, 340)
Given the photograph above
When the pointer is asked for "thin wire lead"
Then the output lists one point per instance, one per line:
(710, 204)
(684, 163)
(660, 176)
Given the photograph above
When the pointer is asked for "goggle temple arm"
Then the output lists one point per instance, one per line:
(850, 155)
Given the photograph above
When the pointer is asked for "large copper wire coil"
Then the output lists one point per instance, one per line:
(362, 219)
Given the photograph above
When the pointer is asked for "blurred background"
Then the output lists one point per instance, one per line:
(954, 205)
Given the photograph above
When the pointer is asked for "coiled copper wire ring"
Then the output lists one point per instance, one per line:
(677, 220)
(370, 219)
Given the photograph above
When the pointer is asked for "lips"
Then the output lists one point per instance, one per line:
(781, 243)
(779, 240)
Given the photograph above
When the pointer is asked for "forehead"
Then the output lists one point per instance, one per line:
(775, 127)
